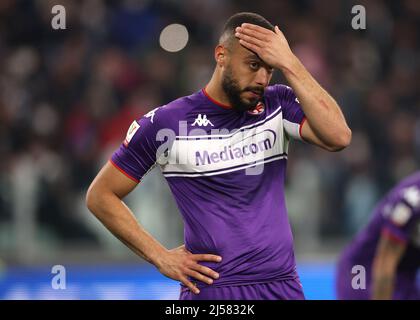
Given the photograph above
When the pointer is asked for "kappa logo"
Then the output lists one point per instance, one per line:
(259, 108)
(202, 121)
(151, 114)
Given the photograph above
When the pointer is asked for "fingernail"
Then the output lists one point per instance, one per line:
(216, 275)
(219, 259)
(210, 281)
(197, 291)
(237, 34)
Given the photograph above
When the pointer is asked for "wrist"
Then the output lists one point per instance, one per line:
(289, 64)
(157, 258)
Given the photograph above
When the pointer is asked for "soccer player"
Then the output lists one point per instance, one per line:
(383, 260)
(223, 151)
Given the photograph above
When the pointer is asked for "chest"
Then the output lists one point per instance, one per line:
(208, 145)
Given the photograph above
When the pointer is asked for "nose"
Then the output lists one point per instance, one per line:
(262, 77)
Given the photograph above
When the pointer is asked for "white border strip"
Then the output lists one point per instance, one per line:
(204, 174)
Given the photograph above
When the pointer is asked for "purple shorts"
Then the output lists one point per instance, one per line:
(275, 290)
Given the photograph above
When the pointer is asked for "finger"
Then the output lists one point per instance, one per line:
(190, 285)
(250, 39)
(205, 270)
(256, 28)
(199, 276)
(279, 32)
(250, 46)
(253, 33)
(183, 250)
(207, 257)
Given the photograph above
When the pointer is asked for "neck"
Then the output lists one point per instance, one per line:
(215, 91)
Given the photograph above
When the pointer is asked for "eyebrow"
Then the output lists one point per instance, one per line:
(254, 56)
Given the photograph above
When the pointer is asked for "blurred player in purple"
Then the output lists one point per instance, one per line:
(387, 249)
(223, 151)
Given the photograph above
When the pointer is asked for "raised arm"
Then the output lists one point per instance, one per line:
(325, 125)
(104, 200)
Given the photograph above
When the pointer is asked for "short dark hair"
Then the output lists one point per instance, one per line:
(237, 19)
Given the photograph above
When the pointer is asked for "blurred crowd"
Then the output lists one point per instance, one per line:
(68, 96)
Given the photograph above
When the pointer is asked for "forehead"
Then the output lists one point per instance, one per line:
(242, 52)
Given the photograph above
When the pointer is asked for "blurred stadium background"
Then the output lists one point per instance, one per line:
(68, 96)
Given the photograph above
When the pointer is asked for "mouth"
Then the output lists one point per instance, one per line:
(254, 93)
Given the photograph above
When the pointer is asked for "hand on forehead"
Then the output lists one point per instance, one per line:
(270, 46)
(246, 53)
(254, 30)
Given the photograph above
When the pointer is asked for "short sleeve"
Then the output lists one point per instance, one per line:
(403, 214)
(293, 115)
(138, 153)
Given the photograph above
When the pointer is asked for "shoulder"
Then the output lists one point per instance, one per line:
(280, 94)
(283, 92)
(408, 190)
(168, 115)
(280, 91)
(174, 111)
(403, 201)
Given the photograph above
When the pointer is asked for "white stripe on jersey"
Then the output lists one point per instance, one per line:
(261, 142)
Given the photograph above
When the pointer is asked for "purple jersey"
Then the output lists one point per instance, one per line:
(398, 217)
(226, 170)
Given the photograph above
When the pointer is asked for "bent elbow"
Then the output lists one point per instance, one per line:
(91, 198)
(342, 141)
(345, 139)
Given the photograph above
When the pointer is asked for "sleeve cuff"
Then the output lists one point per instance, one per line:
(123, 172)
(300, 128)
(391, 235)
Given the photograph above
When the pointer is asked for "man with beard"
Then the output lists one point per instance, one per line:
(225, 164)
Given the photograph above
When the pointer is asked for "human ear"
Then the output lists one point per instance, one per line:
(219, 55)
